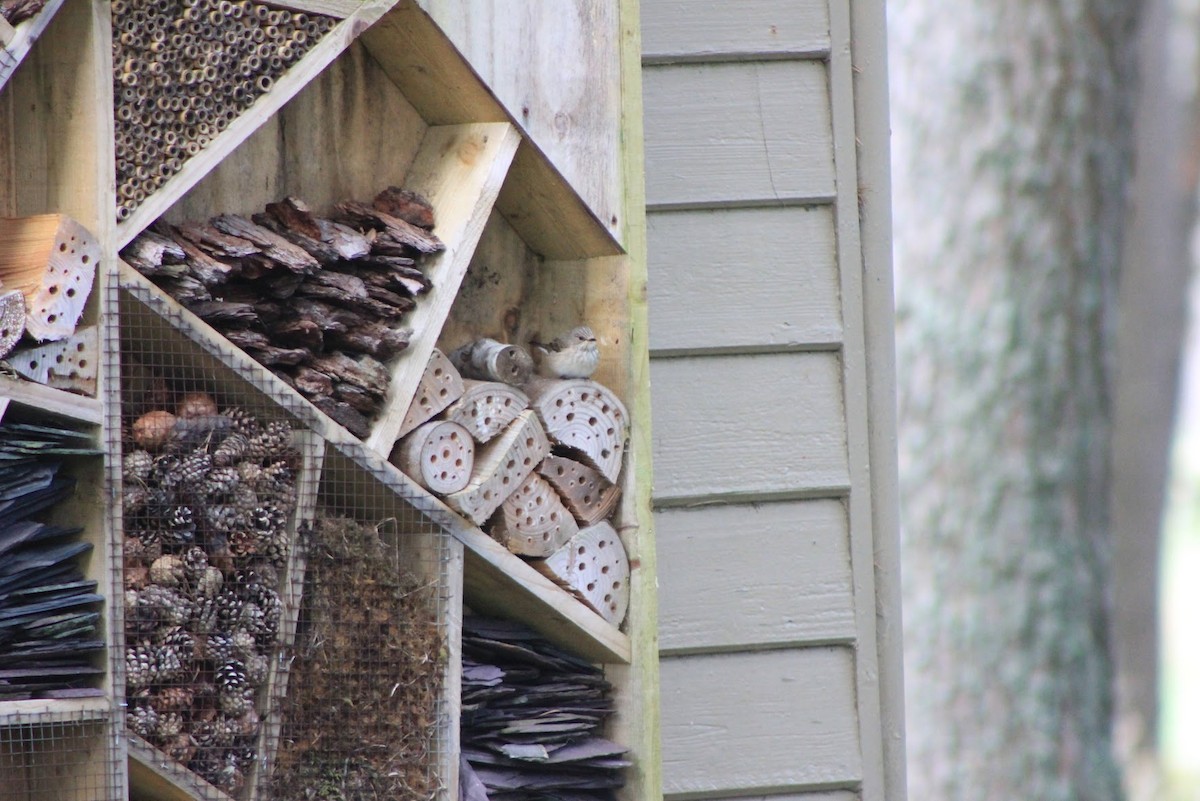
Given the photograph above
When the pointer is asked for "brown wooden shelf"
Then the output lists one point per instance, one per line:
(14, 48)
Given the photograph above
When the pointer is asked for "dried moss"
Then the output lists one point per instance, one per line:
(360, 720)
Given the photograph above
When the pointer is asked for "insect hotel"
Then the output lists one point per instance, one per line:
(323, 414)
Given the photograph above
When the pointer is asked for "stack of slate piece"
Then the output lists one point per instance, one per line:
(531, 717)
(49, 616)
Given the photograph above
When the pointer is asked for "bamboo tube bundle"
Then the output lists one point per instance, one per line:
(183, 71)
(316, 300)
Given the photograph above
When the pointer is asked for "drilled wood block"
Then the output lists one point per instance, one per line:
(440, 386)
(594, 566)
(589, 495)
(486, 408)
(71, 364)
(438, 456)
(52, 260)
(584, 416)
(533, 521)
(500, 467)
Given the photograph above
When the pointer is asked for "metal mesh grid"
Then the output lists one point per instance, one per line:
(219, 689)
(66, 759)
(364, 715)
(182, 72)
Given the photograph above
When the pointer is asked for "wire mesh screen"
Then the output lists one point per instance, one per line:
(284, 602)
(62, 759)
(214, 476)
(364, 715)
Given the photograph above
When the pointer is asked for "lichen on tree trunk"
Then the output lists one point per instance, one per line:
(1011, 157)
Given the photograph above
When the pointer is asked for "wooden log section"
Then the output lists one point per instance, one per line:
(500, 467)
(52, 260)
(440, 386)
(584, 416)
(488, 360)
(589, 495)
(486, 408)
(71, 364)
(439, 456)
(533, 521)
(12, 320)
(593, 565)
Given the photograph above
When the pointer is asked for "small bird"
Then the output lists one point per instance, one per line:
(572, 355)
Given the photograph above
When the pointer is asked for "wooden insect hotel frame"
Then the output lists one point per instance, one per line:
(291, 214)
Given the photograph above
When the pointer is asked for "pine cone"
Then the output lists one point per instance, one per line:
(178, 639)
(272, 445)
(209, 583)
(219, 648)
(139, 666)
(257, 668)
(134, 498)
(232, 450)
(158, 604)
(137, 466)
(243, 543)
(167, 570)
(165, 471)
(198, 433)
(223, 518)
(220, 482)
(170, 725)
(236, 704)
(242, 422)
(143, 721)
(195, 562)
(229, 609)
(173, 699)
(204, 618)
(244, 644)
(181, 749)
(275, 548)
(192, 470)
(169, 664)
(142, 546)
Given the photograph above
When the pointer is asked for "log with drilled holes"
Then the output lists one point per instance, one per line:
(488, 360)
(584, 416)
(589, 495)
(593, 565)
(500, 467)
(71, 364)
(439, 456)
(52, 260)
(533, 521)
(486, 408)
(440, 386)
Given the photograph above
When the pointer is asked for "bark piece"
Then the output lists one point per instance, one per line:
(52, 260)
(350, 244)
(389, 227)
(486, 408)
(225, 314)
(500, 467)
(379, 340)
(407, 205)
(206, 269)
(439, 387)
(593, 565)
(488, 360)
(586, 492)
(362, 371)
(344, 415)
(533, 520)
(12, 320)
(311, 383)
(584, 416)
(439, 456)
(319, 250)
(296, 333)
(273, 247)
(71, 364)
(153, 254)
(217, 243)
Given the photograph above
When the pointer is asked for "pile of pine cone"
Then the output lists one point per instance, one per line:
(207, 497)
(318, 301)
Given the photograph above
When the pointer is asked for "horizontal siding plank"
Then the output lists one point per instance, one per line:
(730, 134)
(698, 29)
(733, 723)
(762, 424)
(743, 278)
(741, 575)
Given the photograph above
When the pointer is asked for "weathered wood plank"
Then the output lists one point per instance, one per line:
(743, 278)
(571, 107)
(773, 719)
(751, 425)
(696, 30)
(730, 134)
(740, 576)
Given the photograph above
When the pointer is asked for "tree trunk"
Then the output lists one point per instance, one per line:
(1012, 155)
